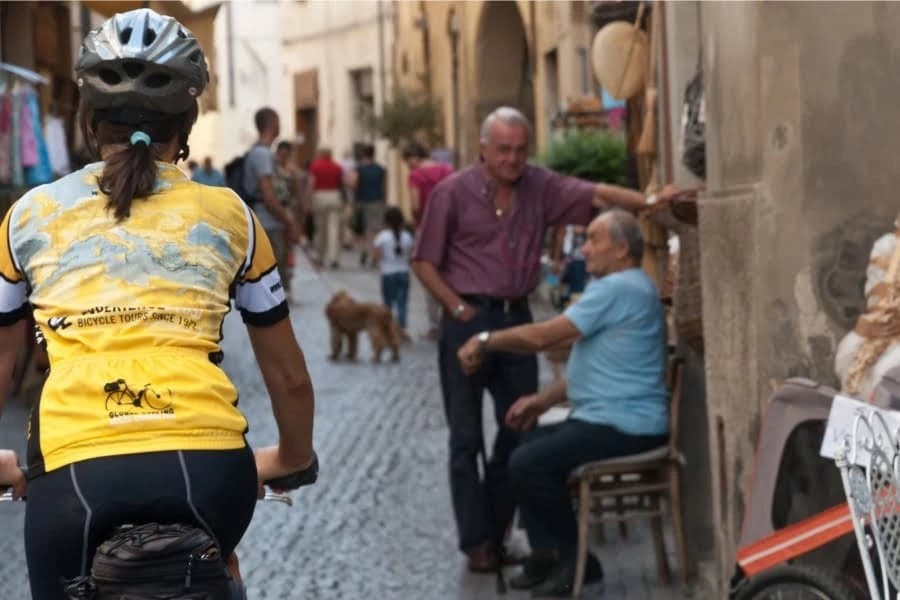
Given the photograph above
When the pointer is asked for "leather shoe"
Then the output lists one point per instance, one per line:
(560, 582)
(535, 570)
(482, 559)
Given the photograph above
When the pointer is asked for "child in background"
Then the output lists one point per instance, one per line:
(391, 250)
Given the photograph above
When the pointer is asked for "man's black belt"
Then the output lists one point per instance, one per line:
(504, 304)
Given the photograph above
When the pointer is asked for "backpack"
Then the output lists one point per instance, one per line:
(154, 561)
(234, 178)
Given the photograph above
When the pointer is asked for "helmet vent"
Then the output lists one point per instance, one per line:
(110, 77)
(181, 33)
(125, 35)
(157, 80)
(195, 56)
(132, 68)
(149, 37)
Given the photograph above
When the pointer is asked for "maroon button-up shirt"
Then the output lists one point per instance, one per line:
(478, 253)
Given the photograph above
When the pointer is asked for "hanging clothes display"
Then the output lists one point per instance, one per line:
(28, 151)
(58, 150)
(32, 152)
(18, 173)
(40, 172)
(5, 140)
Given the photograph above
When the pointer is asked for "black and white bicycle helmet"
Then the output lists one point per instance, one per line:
(141, 59)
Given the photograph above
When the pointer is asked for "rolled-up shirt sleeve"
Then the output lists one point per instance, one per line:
(569, 200)
(13, 285)
(435, 227)
(259, 293)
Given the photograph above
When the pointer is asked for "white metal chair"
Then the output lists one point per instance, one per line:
(869, 462)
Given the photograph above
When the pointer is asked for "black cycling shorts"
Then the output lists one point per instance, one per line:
(71, 510)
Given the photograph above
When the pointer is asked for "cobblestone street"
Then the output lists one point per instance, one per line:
(378, 524)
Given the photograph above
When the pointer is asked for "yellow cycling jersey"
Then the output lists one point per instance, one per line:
(132, 313)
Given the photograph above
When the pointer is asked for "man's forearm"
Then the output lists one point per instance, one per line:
(555, 394)
(435, 284)
(271, 202)
(606, 196)
(524, 339)
(276, 209)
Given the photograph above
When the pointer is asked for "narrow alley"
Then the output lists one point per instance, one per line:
(378, 524)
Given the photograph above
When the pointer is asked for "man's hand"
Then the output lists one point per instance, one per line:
(11, 475)
(467, 314)
(292, 231)
(470, 355)
(524, 412)
(669, 191)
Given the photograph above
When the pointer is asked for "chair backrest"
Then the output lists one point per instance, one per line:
(868, 463)
(674, 374)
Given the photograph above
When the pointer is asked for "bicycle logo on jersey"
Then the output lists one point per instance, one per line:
(120, 399)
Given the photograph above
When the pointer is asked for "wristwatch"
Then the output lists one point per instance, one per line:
(483, 338)
(459, 310)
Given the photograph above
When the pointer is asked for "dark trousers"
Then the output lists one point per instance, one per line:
(395, 294)
(506, 377)
(71, 510)
(540, 467)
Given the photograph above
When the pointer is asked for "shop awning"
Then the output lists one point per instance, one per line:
(200, 22)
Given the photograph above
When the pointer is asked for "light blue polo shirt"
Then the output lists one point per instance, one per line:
(615, 375)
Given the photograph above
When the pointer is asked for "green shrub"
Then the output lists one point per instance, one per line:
(408, 116)
(593, 155)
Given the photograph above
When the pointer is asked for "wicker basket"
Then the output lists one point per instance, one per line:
(687, 299)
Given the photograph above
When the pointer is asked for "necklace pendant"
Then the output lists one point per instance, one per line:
(499, 212)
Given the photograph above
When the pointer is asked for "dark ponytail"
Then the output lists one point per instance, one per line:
(130, 171)
(393, 218)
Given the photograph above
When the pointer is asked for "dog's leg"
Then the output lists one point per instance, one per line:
(395, 352)
(375, 341)
(336, 336)
(352, 338)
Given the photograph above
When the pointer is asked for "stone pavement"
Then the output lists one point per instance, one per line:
(379, 523)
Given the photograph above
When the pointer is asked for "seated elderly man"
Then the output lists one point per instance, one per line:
(614, 380)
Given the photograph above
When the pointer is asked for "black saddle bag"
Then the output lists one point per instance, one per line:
(158, 562)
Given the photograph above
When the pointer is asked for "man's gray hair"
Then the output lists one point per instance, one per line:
(505, 114)
(623, 228)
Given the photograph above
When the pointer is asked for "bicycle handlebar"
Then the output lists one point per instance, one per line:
(307, 476)
(7, 496)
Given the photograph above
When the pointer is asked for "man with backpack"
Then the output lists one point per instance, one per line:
(258, 190)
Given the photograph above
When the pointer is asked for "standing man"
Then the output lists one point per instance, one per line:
(327, 206)
(478, 254)
(371, 194)
(348, 189)
(290, 188)
(259, 171)
(424, 175)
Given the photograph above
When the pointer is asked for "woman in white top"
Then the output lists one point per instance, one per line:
(391, 250)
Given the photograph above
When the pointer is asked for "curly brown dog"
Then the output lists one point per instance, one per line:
(347, 318)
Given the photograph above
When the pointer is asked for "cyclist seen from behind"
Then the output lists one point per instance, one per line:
(130, 268)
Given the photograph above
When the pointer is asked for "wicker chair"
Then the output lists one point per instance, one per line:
(632, 486)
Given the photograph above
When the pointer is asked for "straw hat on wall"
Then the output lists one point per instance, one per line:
(619, 54)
